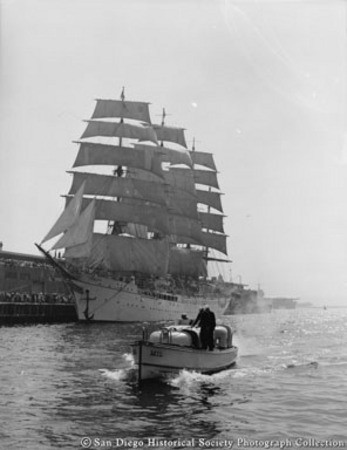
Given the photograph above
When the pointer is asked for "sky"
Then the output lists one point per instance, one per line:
(261, 84)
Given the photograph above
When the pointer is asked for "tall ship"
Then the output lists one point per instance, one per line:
(142, 221)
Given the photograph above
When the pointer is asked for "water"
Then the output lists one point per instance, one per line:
(60, 383)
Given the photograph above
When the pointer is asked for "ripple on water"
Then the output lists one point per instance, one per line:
(61, 382)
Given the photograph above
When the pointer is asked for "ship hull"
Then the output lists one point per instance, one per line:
(159, 360)
(108, 300)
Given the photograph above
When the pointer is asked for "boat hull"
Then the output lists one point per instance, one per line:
(157, 360)
(116, 301)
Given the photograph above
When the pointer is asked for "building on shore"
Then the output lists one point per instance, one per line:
(29, 274)
(247, 301)
(252, 301)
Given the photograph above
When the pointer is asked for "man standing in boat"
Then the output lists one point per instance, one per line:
(196, 321)
(206, 320)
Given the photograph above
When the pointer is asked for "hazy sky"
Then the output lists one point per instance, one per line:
(261, 84)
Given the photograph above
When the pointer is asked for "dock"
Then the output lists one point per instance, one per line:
(21, 313)
(32, 291)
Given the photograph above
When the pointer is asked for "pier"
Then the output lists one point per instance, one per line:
(15, 313)
(32, 291)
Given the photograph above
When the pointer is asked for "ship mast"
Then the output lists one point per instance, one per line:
(114, 226)
(206, 251)
(163, 117)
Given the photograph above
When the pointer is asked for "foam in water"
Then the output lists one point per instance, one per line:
(115, 375)
(312, 365)
(187, 379)
(129, 358)
(121, 374)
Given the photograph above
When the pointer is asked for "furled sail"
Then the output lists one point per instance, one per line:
(68, 216)
(123, 109)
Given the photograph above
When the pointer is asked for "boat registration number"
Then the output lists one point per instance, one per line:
(156, 353)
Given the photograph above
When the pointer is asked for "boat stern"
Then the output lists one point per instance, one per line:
(159, 360)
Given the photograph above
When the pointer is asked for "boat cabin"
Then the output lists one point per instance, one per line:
(186, 336)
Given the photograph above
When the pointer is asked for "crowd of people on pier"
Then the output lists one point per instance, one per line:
(28, 297)
(24, 263)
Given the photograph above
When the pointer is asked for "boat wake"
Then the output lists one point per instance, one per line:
(129, 358)
(117, 374)
(311, 365)
(124, 373)
(187, 379)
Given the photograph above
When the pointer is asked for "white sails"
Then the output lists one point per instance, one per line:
(125, 254)
(80, 231)
(121, 109)
(97, 154)
(155, 196)
(122, 130)
(98, 184)
(188, 262)
(68, 217)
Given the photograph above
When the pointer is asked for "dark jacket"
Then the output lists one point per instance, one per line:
(197, 320)
(208, 320)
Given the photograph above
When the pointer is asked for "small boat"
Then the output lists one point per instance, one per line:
(174, 348)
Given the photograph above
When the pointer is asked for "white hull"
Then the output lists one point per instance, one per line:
(117, 301)
(156, 360)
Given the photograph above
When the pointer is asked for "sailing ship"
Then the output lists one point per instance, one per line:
(143, 219)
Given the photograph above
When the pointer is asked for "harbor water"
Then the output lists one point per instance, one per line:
(72, 386)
